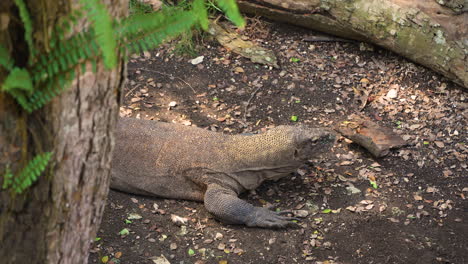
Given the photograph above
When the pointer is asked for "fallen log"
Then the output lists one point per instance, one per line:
(424, 31)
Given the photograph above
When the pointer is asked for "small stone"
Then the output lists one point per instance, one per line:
(271, 241)
(173, 246)
(197, 60)
(152, 240)
(352, 190)
(392, 94)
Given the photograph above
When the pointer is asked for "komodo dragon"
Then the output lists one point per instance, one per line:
(181, 162)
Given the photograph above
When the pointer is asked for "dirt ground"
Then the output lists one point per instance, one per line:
(417, 213)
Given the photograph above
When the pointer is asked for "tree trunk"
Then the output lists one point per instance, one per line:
(424, 31)
(55, 220)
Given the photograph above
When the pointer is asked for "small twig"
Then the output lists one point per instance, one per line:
(170, 75)
(133, 89)
(248, 102)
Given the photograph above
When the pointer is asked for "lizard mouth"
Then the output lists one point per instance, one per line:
(315, 147)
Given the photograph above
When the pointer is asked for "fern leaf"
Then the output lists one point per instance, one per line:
(21, 99)
(102, 24)
(5, 59)
(146, 31)
(18, 79)
(31, 172)
(18, 84)
(200, 10)
(28, 175)
(232, 11)
(28, 28)
(7, 178)
(68, 54)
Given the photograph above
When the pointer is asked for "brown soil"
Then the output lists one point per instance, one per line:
(418, 213)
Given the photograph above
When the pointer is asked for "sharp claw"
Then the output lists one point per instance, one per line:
(290, 218)
(271, 219)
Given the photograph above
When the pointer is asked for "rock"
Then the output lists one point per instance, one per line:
(392, 94)
(134, 216)
(173, 246)
(352, 190)
(197, 60)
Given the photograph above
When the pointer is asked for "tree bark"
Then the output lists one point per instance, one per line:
(424, 31)
(55, 220)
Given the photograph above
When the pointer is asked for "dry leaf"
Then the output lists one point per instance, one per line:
(160, 260)
(178, 220)
(439, 144)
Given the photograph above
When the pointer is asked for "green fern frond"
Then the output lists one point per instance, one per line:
(28, 28)
(18, 79)
(54, 70)
(200, 10)
(28, 175)
(7, 178)
(66, 56)
(102, 25)
(146, 31)
(49, 89)
(18, 84)
(5, 59)
(232, 11)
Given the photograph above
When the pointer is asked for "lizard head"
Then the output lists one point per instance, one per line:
(312, 142)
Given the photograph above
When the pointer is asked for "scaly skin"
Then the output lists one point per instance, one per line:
(180, 162)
